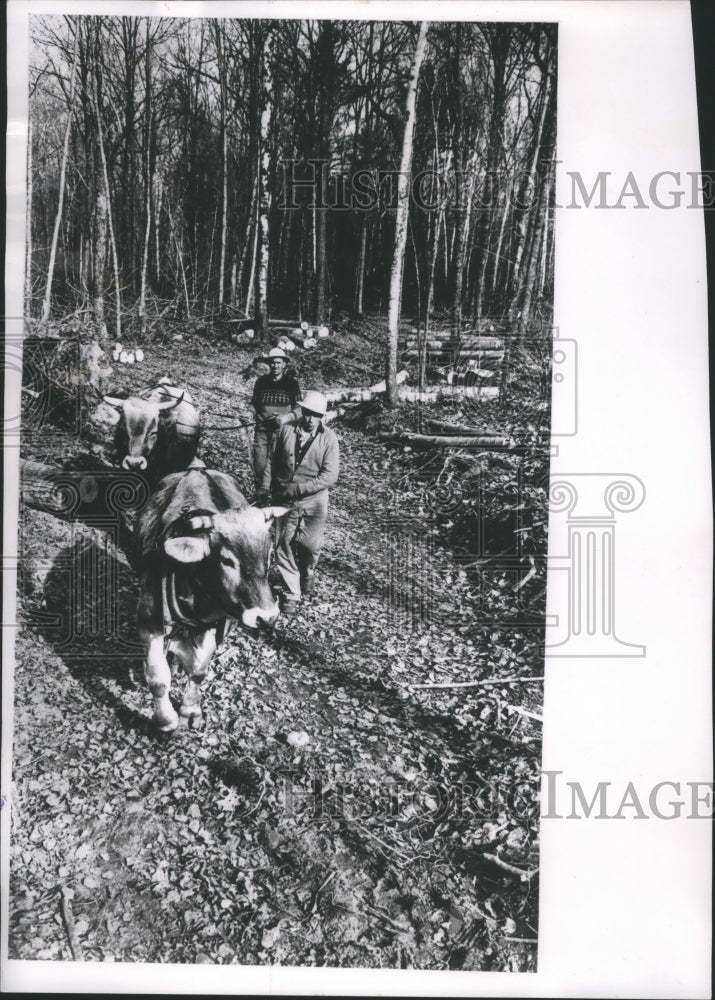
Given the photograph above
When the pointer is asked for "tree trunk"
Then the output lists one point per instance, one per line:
(538, 220)
(499, 39)
(460, 194)
(261, 316)
(100, 137)
(360, 283)
(254, 253)
(157, 227)
(320, 217)
(527, 191)
(28, 227)
(47, 301)
(234, 271)
(99, 245)
(398, 262)
(531, 277)
(247, 239)
(224, 165)
(148, 184)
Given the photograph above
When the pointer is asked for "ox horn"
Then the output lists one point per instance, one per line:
(114, 401)
(171, 403)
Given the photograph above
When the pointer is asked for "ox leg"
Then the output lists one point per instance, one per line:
(158, 677)
(194, 652)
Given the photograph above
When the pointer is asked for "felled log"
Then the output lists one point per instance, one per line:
(432, 345)
(362, 395)
(462, 353)
(39, 487)
(446, 427)
(99, 493)
(471, 340)
(463, 391)
(442, 440)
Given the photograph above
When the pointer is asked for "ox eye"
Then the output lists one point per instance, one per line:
(228, 561)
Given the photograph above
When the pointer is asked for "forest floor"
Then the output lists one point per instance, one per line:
(329, 812)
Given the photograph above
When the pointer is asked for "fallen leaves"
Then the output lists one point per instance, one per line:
(328, 814)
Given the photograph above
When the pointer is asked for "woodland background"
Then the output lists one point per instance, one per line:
(166, 141)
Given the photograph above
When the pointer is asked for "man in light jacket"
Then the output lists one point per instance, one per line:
(306, 463)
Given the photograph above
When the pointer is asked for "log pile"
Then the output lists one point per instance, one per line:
(290, 333)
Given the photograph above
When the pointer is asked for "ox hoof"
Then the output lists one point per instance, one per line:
(192, 719)
(168, 731)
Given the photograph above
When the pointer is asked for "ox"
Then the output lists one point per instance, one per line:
(157, 431)
(202, 554)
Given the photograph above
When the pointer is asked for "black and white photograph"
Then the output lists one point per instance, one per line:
(285, 439)
(288, 492)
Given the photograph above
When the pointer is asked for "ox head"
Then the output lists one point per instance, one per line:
(138, 426)
(228, 553)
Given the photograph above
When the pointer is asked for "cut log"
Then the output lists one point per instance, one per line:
(442, 440)
(77, 493)
(446, 427)
(463, 355)
(294, 328)
(432, 345)
(362, 395)
(480, 343)
(463, 391)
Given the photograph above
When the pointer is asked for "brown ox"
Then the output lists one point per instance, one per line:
(157, 431)
(202, 554)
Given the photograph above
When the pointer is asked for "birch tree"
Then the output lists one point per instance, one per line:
(264, 179)
(402, 218)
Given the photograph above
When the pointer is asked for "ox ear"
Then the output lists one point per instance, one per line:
(107, 414)
(170, 403)
(274, 512)
(188, 548)
(110, 409)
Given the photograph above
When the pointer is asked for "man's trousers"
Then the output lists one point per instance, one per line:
(263, 443)
(299, 539)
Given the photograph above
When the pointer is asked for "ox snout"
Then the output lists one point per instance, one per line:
(132, 464)
(260, 618)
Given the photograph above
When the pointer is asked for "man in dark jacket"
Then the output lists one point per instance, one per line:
(306, 463)
(275, 400)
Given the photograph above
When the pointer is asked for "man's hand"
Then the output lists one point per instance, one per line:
(282, 418)
(289, 492)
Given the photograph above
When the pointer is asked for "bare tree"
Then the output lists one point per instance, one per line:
(47, 301)
(264, 182)
(403, 208)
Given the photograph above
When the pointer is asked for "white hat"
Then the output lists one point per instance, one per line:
(315, 402)
(275, 352)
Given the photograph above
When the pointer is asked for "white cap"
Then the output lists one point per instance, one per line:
(315, 402)
(275, 352)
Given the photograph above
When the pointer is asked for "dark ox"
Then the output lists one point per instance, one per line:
(157, 431)
(202, 554)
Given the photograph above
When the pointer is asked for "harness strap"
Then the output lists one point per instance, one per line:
(173, 616)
